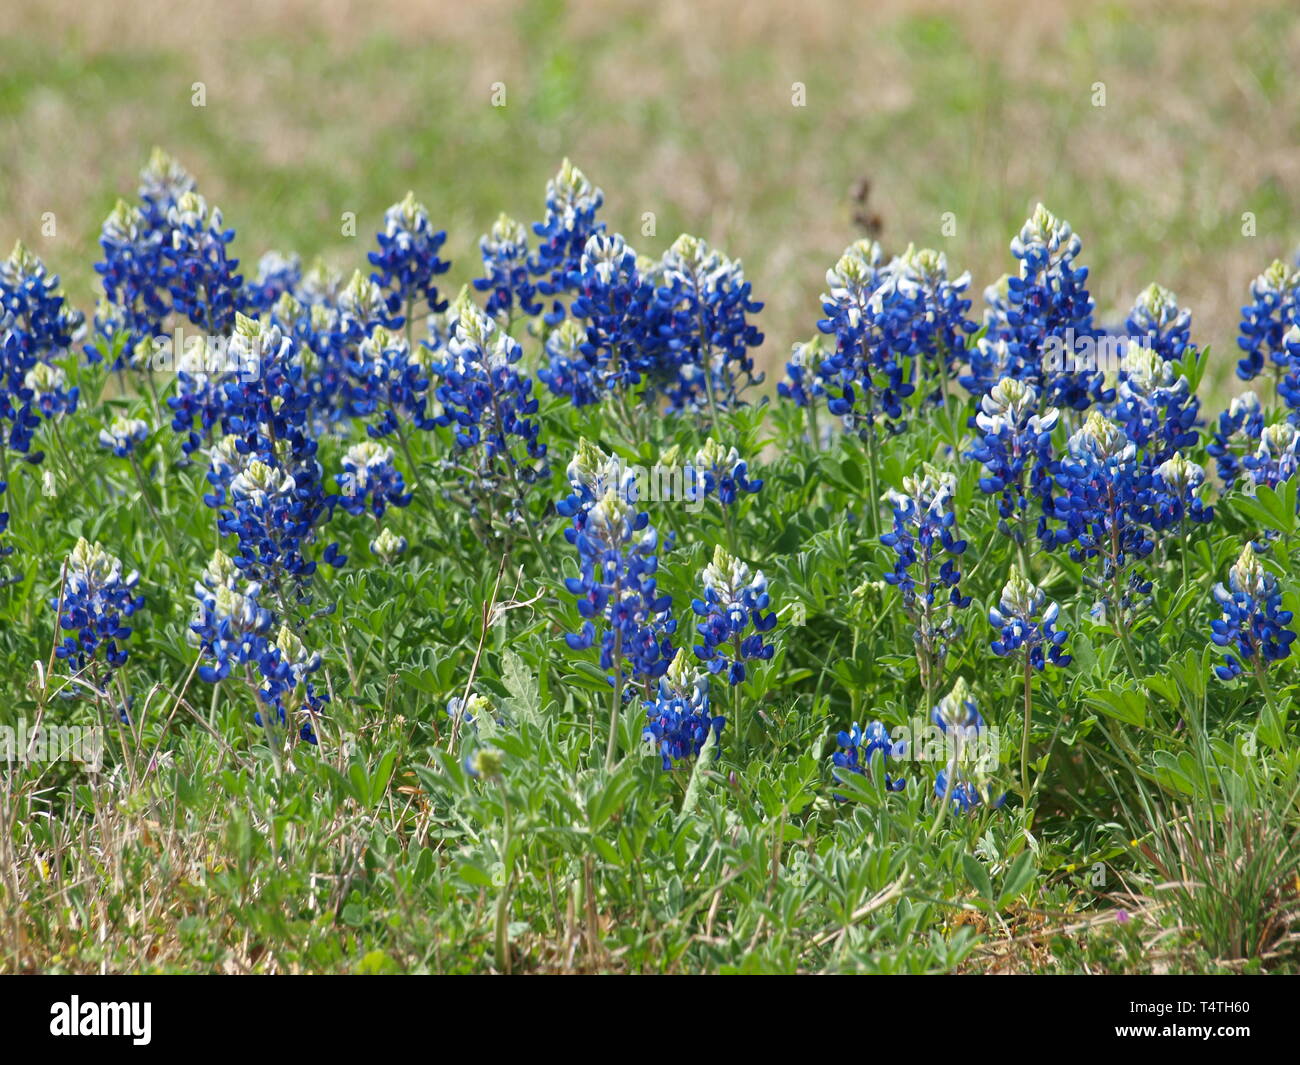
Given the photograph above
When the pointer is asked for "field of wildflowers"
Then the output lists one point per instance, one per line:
(502, 618)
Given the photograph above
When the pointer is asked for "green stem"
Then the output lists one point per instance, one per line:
(1024, 735)
(503, 899)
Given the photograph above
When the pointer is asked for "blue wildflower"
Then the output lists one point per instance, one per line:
(1157, 322)
(505, 262)
(1237, 433)
(571, 205)
(1015, 448)
(858, 748)
(369, 481)
(926, 551)
(408, 258)
(1253, 626)
(122, 436)
(97, 600)
(1026, 622)
(1266, 320)
(731, 632)
(678, 719)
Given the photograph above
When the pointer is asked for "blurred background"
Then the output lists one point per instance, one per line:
(683, 108)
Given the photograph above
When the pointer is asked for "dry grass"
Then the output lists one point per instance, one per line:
(684, 110)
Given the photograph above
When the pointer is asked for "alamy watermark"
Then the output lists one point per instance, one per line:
(83, 744)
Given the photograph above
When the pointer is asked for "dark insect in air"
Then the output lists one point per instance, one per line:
(864, 217)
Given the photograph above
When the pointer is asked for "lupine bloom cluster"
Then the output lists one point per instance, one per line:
(1026, 624)
(717, 472)
(1046, 308)
(571, 205)
(1237, 433)
(1253, 628)
(858, 748)
(490, 407)
(96, 602)
(959, 718)
(706, 303)
(1159, 324)
(1103, 499)
(36, 327)
(678, 719)
(1015, 448)
(1266, 320)
(407, 261)
(732, 616)
(925, 564)
(1154, 404)
(869, 313)
(618, 560)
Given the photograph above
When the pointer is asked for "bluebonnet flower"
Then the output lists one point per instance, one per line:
(1276, 459)
(272, 520)
(731, 632)
(958, 715)
(163, 182)
(362, 308)
(229, 626)
(1155, 405)
(1104, 498)
(1266, 320)
(925, 563)
(678, 719)
(858, 748)
(1288, 384)
(1158, 323)
(49, 392)
(705, 305)
(468, 709)
(133, 279)
(592, 473)
(1026, 623)
(276, 275)
(1253, 627)
(33, 308)
(967, 793)
(97, 601)
(571, 206)
(201, 277)
(619, 310)
(485, 763)
(1035, 321)
(490, 405)
(801, 383)
(387, 546)
(390, 380)
(1015, 444)
(408, 257)
(940, 328)
(287, 688)
(122, 436)
(1176, 497)
(268, 481)
(870, 311)
(723, 473)
(505, 261)
(618, 560)
(569, 372)
(369, 481)
(1237, 433)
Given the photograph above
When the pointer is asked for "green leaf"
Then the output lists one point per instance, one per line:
(977, 875)
(1018, 877)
